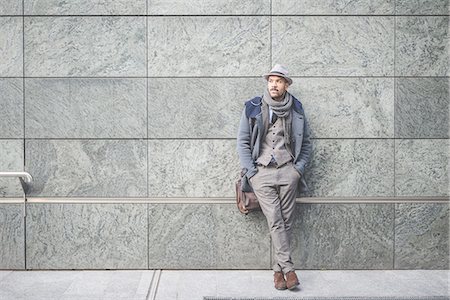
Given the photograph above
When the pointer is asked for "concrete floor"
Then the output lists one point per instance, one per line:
(193, 285)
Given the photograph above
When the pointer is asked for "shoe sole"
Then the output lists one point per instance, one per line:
(294, 286)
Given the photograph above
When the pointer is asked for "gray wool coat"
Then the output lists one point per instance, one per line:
(251, 134)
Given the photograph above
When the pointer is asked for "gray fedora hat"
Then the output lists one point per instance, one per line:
(279, 70)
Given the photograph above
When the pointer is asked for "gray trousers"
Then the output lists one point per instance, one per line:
(276, 190)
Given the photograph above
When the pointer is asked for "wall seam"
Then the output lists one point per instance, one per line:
(271, 252)
(394, 236)
(224, 77)
(270, 36)
(229, 15)
(220, 77)
(24, 135)
(395, 93)
(395, 132)
(147, 142)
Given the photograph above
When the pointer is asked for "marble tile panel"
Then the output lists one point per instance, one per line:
(422, 7)
(351, 168)
(11, 160)
(83, 168)
(86, 236)
(11, 47)
(192, 168)
(421, 167)
(86, 108)
(76, 285)
(333, 7)
(207, 236)
(422, 46)
(85, 46)
(347, 107)
(208, 7)
(11, 108)
(208, 46)
(36, 285)
(422, 236)
(10, 7)
(85, 7)
(118, 284)
(422, 108)
(334, 46)
(344, 236)
(12, 252)
(198, 107)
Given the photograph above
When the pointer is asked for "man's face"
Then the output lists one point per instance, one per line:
(277, 86)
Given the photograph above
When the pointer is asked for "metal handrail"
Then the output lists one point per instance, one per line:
(24, 178)
(23, 175)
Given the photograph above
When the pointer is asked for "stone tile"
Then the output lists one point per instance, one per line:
(422, 108)
(332, 7)
(206, 236)
(36, 285)
(10, 7)
(11, 160)
(194, 285)
(106, 285)
(186, 285)
(86, 108)
(85, 46)
(11, 47)
(85, 7)
(422, 46)
(208, 46)
(422, 7)
(200, 107)
(11, 108)
(258, 284)
(334, 46)
(12, 252)
(209, 7)
(350, 168)
(347, 107)
(4, 274)
(421, 167)
(91, 236)
(83, 168)
(421, 236)
(344, 236)
(192, 168)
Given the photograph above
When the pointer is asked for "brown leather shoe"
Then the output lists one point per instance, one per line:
(278, 279)
(291, 280)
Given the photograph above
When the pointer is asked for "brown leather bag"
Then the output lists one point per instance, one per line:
(246, 200)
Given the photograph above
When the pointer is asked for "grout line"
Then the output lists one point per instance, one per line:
(270, 37)
(223, 15)
(223, 77)
(154, 286)
(24, 141)
(395, 125)
(146, 94)
(394, 235)
(395, 94)
(271, 252)
(224, 200)
(209, 139)
(145, 282)
(148, 233)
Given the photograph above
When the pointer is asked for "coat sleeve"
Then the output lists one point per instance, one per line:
(244, 146)
(306, 149)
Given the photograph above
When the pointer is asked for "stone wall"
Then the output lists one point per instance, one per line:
(125, 113)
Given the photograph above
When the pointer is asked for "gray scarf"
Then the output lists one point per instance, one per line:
(282, 109)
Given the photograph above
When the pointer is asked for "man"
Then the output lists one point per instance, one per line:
(274, 147)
